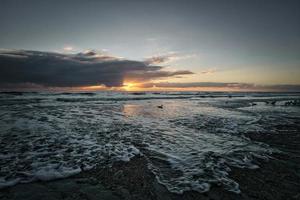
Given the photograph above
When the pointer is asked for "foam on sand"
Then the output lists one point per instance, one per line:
(190, 144)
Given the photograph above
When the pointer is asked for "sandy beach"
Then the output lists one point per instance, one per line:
(276, 179)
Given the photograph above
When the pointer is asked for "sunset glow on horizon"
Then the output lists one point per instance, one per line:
(149, 99)
(195, 46)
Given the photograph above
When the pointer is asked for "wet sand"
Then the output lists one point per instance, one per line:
(277, 178)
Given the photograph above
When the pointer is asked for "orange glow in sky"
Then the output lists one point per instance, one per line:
(135, 86)
(131, 86)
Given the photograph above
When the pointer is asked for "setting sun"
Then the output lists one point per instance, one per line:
(130, 86)
(159, 99)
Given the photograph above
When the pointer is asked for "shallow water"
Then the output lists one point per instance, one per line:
(190, 144)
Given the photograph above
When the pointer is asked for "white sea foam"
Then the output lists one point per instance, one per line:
(190, 144)
(50, 173)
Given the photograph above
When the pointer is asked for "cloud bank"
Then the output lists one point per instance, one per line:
(225, 86)
(167, 58)
(48, 69)
(24, 69)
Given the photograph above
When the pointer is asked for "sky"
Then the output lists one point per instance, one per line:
(150, 45)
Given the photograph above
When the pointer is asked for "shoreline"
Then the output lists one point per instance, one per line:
(278, 178)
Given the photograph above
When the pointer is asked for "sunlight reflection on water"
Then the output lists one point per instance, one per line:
(190, 143)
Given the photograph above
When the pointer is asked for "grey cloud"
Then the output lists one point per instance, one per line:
(157, 59)
(209, 71)
(189, 85)
(150, 75)
(154, 60)
(72, 70)
(283, 87)
(233, 85)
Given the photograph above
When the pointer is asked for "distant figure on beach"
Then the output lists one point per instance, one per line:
(161, 106)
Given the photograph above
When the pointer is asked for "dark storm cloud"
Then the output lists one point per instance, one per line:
(243, 86)
(72, 70)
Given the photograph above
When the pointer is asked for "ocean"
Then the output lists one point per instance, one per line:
(191, 140)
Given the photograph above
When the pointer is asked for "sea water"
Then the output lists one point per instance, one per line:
(191, 140)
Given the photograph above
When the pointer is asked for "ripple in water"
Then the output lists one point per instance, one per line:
(190, 144)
